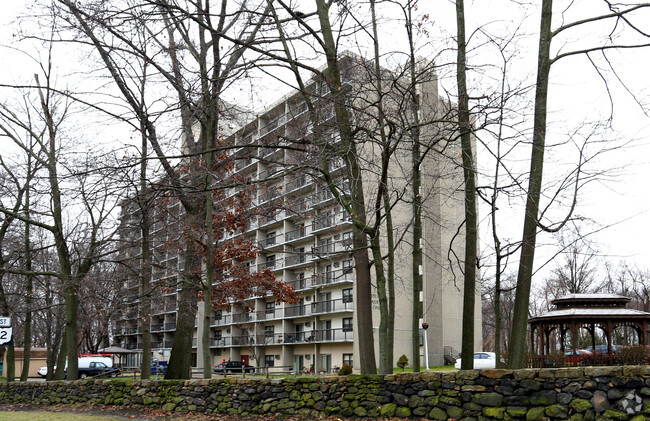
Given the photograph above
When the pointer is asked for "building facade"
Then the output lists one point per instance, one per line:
(304, 237)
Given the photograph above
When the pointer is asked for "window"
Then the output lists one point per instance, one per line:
(347, 324)
(218, 314)
(347, 239)
(347, 359)
(270, 307)
(270, 238)
(269, 331)
(270, 262)
(347, 266)
(269, 360)
(347, 295)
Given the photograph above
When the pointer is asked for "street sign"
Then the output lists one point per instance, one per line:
(5, 335)
(5, 321)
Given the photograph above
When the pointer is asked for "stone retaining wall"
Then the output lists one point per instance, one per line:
(587, 393)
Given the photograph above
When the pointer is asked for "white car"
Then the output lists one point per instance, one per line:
(42, 371)
(482, 360)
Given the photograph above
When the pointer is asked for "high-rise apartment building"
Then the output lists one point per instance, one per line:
(304, 237)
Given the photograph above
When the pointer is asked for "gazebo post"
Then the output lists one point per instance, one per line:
(644, 330)
(608, 333)
(574, 341)
(593, 337)
(541, 333)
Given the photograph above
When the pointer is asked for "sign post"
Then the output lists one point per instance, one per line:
(6, 331)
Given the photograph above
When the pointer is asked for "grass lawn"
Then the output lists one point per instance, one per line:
(432, 368)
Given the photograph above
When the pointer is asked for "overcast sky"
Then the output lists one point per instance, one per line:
(576, 96)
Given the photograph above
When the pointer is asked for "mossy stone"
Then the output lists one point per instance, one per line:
(360, 411)
(489, 399)
(535, 414)
(497, 413)
(403, 412)
(169, 406)
(447, 400)
(615, 415)
(516, 411)
(420, 411)
(454, 412)
(388, 410)
(580, 405)
(415, 401)
(431, 401)
(437, 414)
(556, 411)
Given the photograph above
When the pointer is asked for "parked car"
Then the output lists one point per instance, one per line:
(158, 367)
(42, 371)
(233, 367)
(575, 356)
(95, 369)
(603, 349)
(482, 360)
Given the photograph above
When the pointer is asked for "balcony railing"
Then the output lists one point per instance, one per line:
(157, 327)
(330, 277)
(170, 326)
(168, 344)
(243, 317)
(327, 221)
(296, 259)
(224, 319)
(295, 234)
(330, 306)
(321, 335)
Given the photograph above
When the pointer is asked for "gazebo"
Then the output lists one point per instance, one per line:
(589, 311)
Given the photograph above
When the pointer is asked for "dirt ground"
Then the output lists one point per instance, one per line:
(141, 414)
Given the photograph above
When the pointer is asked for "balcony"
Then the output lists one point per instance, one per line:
(271, 265)
(169, 326)
(222, 320)
(168, 344)
(268, 314)
(301, 180)
(331, 306)
(331, 277)
(322, 335)
(328, 221)
(158, 327)
(297, 259)
(243, 317)
(296, 234)
(156, 345)
(132, 330)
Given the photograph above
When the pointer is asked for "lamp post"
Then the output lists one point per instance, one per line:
(425, 326)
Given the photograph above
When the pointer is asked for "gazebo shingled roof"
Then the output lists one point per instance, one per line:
(573, 311)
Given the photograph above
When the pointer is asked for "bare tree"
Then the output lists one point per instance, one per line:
(617, 16)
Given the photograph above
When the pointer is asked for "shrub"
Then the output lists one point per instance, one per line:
(632, 355)
(403, 362)
(596, 358)
(345, 370)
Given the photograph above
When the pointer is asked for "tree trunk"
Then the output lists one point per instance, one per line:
(518, 336)
(145, 262)
(471, 236)
(180, 361)
(363, 299)
(28, 287)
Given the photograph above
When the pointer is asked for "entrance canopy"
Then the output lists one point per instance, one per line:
(587, 311)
